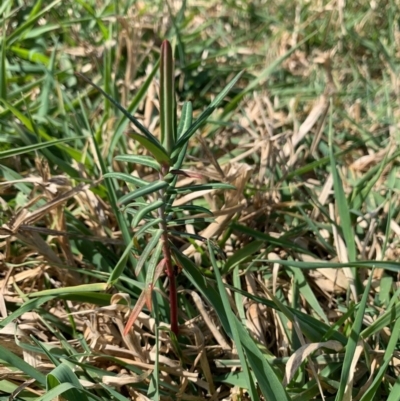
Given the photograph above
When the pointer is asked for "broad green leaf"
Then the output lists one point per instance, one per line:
(48, 85)
(30, 55)
(96, 298)
(58, 391)
(391, 314)
(63, 374)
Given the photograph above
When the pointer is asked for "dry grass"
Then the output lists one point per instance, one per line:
(309, 138)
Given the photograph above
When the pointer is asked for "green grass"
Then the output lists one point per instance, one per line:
(289, 290)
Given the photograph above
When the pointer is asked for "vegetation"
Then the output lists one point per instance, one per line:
(199, 200)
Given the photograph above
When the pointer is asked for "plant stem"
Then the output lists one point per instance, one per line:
(173, 296)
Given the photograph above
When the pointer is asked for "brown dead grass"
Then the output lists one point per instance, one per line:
(36, 242)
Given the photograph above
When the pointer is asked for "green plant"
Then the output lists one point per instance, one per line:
(151, 203)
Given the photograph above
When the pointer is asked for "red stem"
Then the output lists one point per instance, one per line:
(173, 296)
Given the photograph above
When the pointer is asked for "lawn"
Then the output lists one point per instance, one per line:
(199, 200)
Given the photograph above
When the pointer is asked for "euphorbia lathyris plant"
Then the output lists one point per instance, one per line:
(166, 157)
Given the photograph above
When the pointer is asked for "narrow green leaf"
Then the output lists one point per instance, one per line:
(271, 68)
(147, 250)
(203, 117)
(17, 363)
(146, 190)
(352, 342)
(3, 69)
(308, 293)
(365, 264)
(394, 394)
(111, 189)
(114, 393)
(370, 394)
(127, 178)
(194, 188)
(148, 227)
(167, 97)
(142, 212)
(74, 289)
(24, 308)
(186, 119)
(269, 383)
(242, 254)
(187, 235)
(47, 86)
(282, 242)
(154, 270)
(343, 208)
(37, 146)
(233, 328)
(143, 160)
(77, 155)
(23, 29)
(313, 328)
(150, 137)
(156, 150)
(57, 391)
(132, 107)
(190, 208)
(121, 264)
